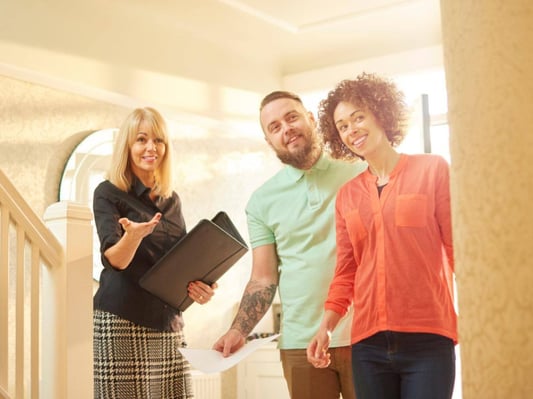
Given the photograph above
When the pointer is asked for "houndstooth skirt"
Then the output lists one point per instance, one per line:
(135, 362)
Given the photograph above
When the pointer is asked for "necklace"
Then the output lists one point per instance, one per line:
(386, 166)
(382, 180)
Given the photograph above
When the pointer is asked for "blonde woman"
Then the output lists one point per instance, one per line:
(138, 218)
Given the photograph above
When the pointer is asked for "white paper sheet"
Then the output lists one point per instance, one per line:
(212, 361)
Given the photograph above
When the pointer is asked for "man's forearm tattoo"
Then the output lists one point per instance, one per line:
(255, 302)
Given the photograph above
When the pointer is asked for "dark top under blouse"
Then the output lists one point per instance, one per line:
(119, 291)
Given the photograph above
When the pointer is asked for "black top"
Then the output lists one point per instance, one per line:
(119, 292)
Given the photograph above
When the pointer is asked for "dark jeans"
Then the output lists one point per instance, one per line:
(393, 365)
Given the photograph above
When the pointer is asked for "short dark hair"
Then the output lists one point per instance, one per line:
(276, 95)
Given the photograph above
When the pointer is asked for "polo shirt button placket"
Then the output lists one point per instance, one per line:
(313, 195)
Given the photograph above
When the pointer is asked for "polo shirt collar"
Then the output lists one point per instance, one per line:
(296, 174)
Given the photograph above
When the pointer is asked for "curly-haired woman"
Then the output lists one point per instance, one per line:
(394, 250)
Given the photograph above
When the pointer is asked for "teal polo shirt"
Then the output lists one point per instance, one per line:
(295, 210)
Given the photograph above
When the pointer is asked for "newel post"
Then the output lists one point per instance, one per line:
(67, 296)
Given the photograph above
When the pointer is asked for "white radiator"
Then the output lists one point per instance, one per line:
(206, 386)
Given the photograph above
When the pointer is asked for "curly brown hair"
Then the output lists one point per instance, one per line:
(373, 93)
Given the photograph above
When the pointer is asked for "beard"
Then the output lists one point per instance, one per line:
(304, 157)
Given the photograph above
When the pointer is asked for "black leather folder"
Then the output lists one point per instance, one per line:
(205, 253)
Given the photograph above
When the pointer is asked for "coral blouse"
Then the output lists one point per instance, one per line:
(394, 251)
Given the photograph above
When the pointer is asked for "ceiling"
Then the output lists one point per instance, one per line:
(156, 50)
(301, 35)
(290, 36)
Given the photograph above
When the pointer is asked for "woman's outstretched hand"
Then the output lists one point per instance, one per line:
(140, 229)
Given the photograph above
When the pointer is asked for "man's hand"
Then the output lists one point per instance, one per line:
(230, 342)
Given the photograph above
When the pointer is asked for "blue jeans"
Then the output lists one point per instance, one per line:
(394, 365)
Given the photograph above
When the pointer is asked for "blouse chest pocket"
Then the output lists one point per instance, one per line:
(411, 210)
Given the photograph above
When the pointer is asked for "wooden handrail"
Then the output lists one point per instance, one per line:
(23, 215)
(4, 394)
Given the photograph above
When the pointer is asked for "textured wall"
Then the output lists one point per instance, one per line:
(489, 69)
(39, 127)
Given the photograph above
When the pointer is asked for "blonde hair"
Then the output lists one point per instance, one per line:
(120, 172)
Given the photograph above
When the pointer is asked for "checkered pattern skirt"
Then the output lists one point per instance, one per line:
(135, 362)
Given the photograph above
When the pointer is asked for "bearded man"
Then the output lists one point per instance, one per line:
(291, 226)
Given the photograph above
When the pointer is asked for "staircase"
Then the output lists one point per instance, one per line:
(45, 299)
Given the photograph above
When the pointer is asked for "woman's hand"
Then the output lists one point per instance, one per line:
(121, 254)
(142, 229)
(317, 350)
(200, 292)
